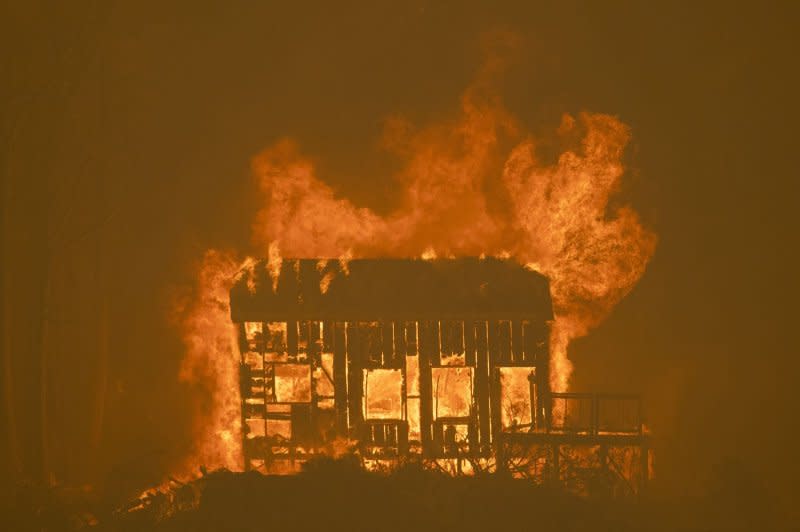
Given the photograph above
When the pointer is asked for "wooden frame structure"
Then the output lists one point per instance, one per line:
(442, 361)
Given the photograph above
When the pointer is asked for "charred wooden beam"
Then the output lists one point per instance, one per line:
(340, 377)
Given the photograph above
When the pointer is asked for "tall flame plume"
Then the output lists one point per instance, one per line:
(473, 185)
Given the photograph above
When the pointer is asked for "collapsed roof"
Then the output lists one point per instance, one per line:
(390, 289)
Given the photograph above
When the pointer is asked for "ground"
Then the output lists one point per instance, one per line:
(339, 495)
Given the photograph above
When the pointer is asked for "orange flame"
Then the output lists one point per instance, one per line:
(212, 363)
(471, 186)
(555, 218)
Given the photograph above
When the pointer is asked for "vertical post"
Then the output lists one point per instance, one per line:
(354, 380)
(428, 343)
(244, 389)
(245, 446)
(473, 433)
(314, 339)
(532, 392)
(482, 391)
(517, 342)
(399, 362)
(496, 391)
(543, 374)
(340, 376)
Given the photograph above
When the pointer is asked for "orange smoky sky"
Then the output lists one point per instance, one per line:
(136, 137)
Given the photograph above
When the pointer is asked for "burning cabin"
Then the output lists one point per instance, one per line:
(444, 360)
